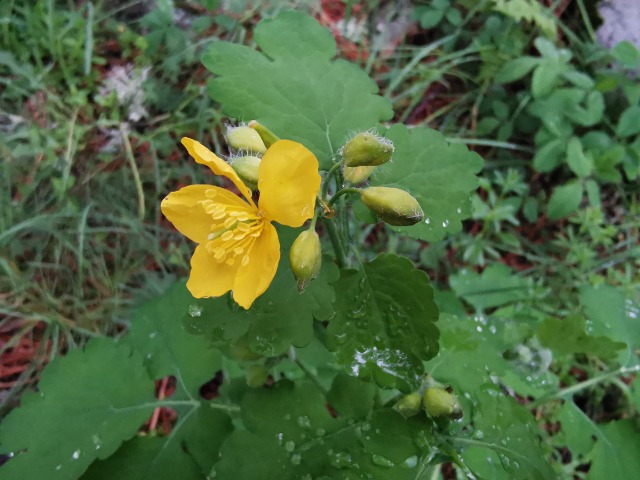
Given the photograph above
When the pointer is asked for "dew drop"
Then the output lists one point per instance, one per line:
(76, 455)
(194, 311)
(410, 462)
(427, 220)
(382, 461)
(304, 422)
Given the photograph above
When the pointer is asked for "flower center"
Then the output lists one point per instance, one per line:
(234, 229)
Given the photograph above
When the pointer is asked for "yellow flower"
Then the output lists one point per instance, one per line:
(238, 247)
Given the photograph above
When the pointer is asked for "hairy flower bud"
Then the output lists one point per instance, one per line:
(267, 136)
(392, 205)
(409, 405)
(438, 403)
(356, 175)
(305, 257)
(247, 169)
(367, 149)
(245, 139)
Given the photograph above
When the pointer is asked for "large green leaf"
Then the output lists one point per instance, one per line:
(89, 402)
(292, 435)
(613, 315)
(440, 175)
(616, 452)
(294, 87)
(384, 321)
(505, 444)
(188, 453)
(158, 332)
(190, 450)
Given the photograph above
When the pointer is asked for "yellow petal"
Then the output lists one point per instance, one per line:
(203, 155)
(253, 278)
(208, 277)
(185, 210)
(288, 181)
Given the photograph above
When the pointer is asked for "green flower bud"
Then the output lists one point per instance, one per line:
(245, 139)
(247, 169)
(392, 205)
(305, 257)
(267, 136)
(409, 405)
(256, 376)
(438, 403)
(367, 149)
(356, 175)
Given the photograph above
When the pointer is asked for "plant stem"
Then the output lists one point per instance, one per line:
(565, 392)
(327, 179)
(339, 193)
(335, 241)
(311, 376)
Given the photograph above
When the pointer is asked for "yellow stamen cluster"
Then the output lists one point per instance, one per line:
(234, 229)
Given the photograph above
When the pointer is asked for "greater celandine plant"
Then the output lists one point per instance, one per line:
(316, 360)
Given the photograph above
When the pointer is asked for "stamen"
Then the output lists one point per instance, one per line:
(245, 260)
(210, 208)
(228, 235)
(228, 223)
(230, 261)
(220, 214)
(238, 251)
(210, 193)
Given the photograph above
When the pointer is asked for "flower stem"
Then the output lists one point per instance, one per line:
(311, 376)
(337, 244)
(327, 179)
(339, 193)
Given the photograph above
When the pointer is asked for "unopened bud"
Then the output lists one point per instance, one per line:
(256, 376)
(247, 169)
(367, 149)
(409, 405)
(392, 205)
(439, 403)
(356, 175)
(267, 136)
(245, 139)
(305, 257)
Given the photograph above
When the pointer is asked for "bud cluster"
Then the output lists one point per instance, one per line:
(361, 155)
(247, 144)
(436, 401)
